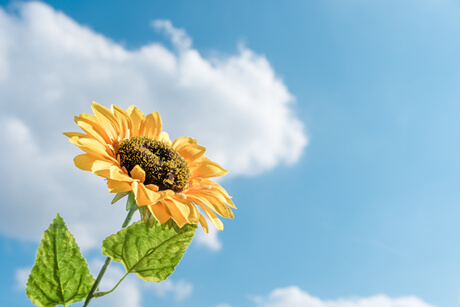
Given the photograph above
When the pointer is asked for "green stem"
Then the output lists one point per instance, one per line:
(91, 293)
(99, 294)
(98, 280)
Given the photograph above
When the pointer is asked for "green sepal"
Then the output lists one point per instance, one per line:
(60, 275)
(119, 196)
(131, 201)
(150, 252)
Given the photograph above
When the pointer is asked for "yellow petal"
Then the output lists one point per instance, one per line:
(164, 137)
(95, 130)
(212, 217)
(117, 173)
(84, 161)
(107, 120)
(182, 141)
(136, 117)
(124, 121)
(159, 212)
(89, 117)
(118, 186)
(194, 213)
(143, 195)
(207, 169)
(191, 152)
(92, 147)
(220, 189)
(151, 126)
(138, 173)
(204, 224)
(73, 134)
(179, 212)
(101, 168)
(213, 203)
(89, 129)
(152, 187)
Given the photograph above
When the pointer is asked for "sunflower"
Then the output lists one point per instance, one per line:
(170, 180)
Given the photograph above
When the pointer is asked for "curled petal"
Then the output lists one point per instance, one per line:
(117, 174)
(102, 168)
(179, 212)
(138, 173)
(159, 212)
(145, 196)
(118, 186)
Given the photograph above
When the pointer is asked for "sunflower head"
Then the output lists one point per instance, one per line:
(163, 165)
(170, 180)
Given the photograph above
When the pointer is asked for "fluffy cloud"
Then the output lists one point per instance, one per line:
(38, 186)
(295, 297)
(51, 68)
(21, 276)
(179, 290)
(209, 240)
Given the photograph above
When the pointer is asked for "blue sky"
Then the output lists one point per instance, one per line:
(338, 120)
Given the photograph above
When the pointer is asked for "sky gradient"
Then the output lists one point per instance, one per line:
(338, 121)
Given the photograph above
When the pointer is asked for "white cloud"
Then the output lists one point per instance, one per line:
(51, 68)
(295, 297)
(179, 290)
(38, 186)
(21, 276)
(210, 240)
(178, 36)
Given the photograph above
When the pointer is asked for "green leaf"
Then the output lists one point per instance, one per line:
(60, 275)
(150, 252)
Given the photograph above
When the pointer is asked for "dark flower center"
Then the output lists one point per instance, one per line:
(162, 165)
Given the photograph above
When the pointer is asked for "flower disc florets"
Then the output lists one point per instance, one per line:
(163, 166)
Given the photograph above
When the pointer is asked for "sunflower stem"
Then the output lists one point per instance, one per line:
(107, 261)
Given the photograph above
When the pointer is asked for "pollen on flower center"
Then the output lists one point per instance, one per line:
(163, 165)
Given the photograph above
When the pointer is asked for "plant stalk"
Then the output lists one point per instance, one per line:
(90, 296)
